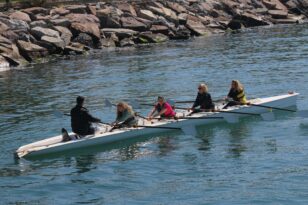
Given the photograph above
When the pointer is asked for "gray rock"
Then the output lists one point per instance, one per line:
(108, 42)
(41, 23)
(61, 22)
(31, 51)
(84, 39)
(89, 28)
(57, 42)
(20, 16)
(120, 33)
(70, 50)
(36, 10)
(247, 20)
(147, 14)
(59, 11)
(79, 9)
(132, 23)
(197, 27)
(154, 37)
(278, 14)
(15, 24)
(126, 42)
(66, 34)
(39, 32)
(83, 18)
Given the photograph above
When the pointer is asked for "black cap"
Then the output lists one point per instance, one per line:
(79, 100)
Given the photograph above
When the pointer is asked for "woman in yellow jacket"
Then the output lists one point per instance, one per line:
(237, 94)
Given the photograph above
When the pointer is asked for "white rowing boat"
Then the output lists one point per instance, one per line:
(104, 136)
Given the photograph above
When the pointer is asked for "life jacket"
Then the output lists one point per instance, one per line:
(238, 96)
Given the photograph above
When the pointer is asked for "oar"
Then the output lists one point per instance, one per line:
(192, 101)
(300, 113)
(60, 114)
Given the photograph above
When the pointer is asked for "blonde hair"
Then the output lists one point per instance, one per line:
(125, 107)
(238, 85)
(204, 87)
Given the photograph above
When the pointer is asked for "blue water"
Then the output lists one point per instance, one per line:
(252, 162)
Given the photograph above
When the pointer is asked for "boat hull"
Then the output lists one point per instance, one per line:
(54, 144)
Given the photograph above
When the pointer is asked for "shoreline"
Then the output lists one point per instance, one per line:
(30, 34)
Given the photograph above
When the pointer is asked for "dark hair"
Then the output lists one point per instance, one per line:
(79, 100)
(160, 97)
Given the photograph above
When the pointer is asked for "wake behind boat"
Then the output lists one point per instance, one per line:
(184, 122)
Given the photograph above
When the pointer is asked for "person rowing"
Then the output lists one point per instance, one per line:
(203, 100)
(81, 120)
(125, 116)
(236, 94)
(162, 109)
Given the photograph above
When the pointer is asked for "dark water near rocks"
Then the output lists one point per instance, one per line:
(253, 162)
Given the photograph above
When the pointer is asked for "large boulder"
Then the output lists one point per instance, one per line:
(39, 32)
(176, 7)
(132, 23)
(89, 28)
(119, 32)
(274, 5)
(147, 14)
(36, 10)
(3, 27)
(20, 16)
(61, 22)
(154, 37)
(85, 39)
(78, 9)
(197, 27)
(40, 23)
(127, 8)
(13, 57)
(59, 11)
(127, 42)
(65, 34)
(57, 42)
(82, 18)
(160, 29)
(91, 10)
(248, 20)
(15, 24)
(165, 12)
(31, 51)
(278, 14)
(109, 17)
(4, 40)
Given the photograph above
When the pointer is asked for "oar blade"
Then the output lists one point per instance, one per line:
(302, 113)
(107, 103)
(231, 119)
(189, 130)
(268, 116)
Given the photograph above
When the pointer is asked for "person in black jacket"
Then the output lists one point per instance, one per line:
(81, 119)
(204, 100)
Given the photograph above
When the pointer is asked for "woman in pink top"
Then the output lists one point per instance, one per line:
(162, 109)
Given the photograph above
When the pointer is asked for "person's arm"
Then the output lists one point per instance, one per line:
(162, 112)
(197, 102)
(152, 112)
(210, 101)
(91, 118)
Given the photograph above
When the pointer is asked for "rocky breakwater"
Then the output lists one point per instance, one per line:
(33, 33)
